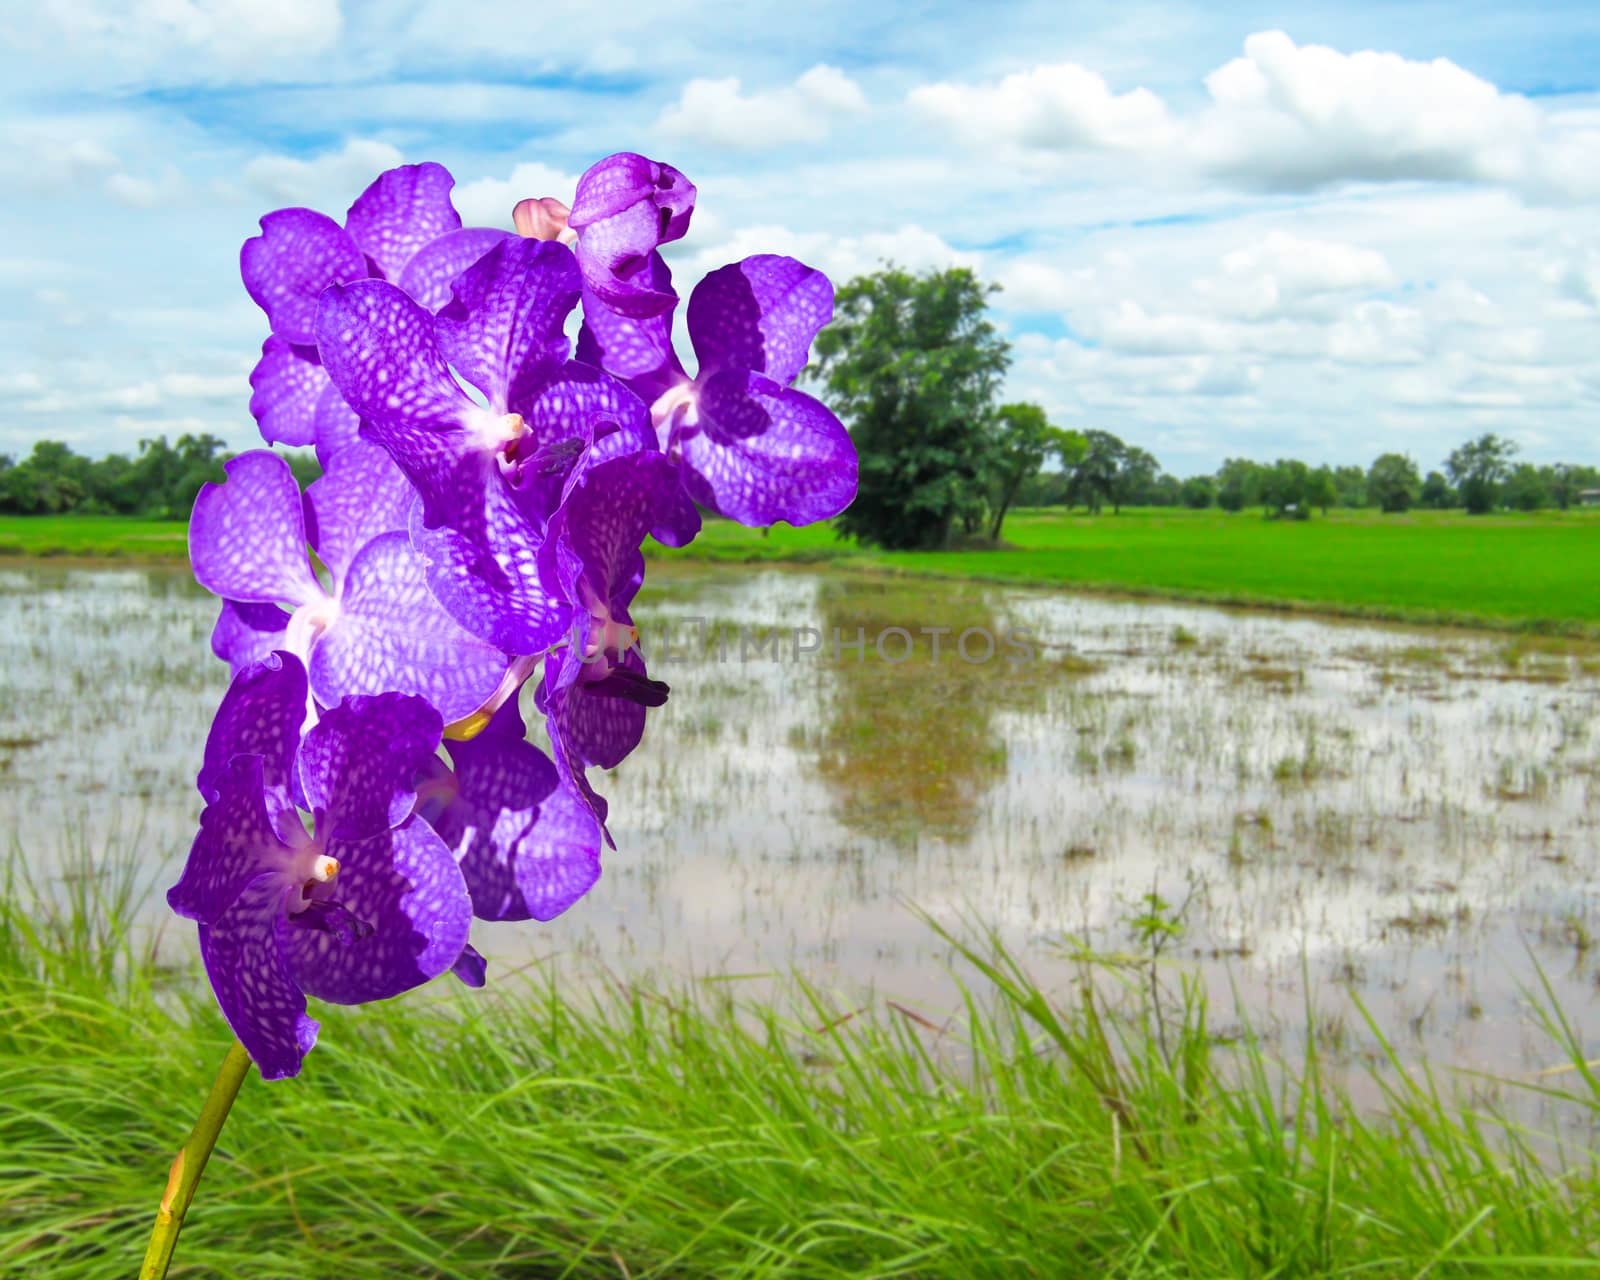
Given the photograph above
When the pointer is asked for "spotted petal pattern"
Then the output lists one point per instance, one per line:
(405, 209)
(358, 763)
(298, 254)
(759, 314)
(259, 997)
(406, 889)
(636, 349)
(247, 536)
(625, 208)
(503, 329)
(763, 452)
(247, 633)
(392, 635)
(260, 717)
(285, 385)
(360, 496)
(237, 842)
(432, 271)
(529, 847)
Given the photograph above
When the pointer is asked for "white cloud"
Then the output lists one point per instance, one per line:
(238, 33)
(487, 202)
(329, 182)
(720, 114)
(1059, 107)
(839, 257)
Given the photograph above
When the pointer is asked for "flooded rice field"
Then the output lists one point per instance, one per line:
(1409, 820)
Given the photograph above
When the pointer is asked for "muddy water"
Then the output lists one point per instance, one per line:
(1409, 817)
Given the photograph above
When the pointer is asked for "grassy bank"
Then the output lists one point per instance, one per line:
(1539, 571)
(518, 1133)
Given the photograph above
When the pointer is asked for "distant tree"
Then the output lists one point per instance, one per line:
(1094, 476)
(1239, 483)
(1393, 482)
(50, 480)
(1478, 469)
(1526, 489)
(1134, 479)
(1437, 495)
(1198, 492)
(1322, 489)
(1352, 483)
(1283, 488)
(1564, 482)
(912, 363)
(1165, 490)
(1023, 439)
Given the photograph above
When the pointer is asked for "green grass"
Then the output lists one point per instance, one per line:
(1540, 571)
(94, 537)
(1536, 572)
(655, 1133)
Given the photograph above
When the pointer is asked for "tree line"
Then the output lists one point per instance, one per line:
(160, 480)
(913, 365)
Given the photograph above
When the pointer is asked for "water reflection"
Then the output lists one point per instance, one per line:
(1409, 816)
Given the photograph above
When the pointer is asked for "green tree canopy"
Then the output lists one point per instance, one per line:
(1393, 482)
(1478, 469)
(911, 363)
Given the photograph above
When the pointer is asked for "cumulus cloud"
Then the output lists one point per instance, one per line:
(324, 182)
(841, 258)
(720, 113)
(1059, 107)
(1293, 118)
(487, 202)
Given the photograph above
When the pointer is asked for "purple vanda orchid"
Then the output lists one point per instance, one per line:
(751, 447)
(527, 842)
(488, 471)
(402, 228)
(367, 903)
(377, 628)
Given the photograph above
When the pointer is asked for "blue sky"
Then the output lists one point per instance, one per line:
(1323, 232)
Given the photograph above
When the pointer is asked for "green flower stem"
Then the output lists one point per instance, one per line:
(190, 1163)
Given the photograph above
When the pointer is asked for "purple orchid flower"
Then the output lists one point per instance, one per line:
(625, 208)
(751, 447)
(402, 228)
(487, 473)
(365, 905)
(378, 629)
(596, 690)
(528, 845)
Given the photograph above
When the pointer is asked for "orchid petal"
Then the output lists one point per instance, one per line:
(298, 254)
(637, 349)
(260, 716)
(405, 886)
(762, 452)
(435, 267)
(247, 536)
(360, 496)
(377, 345)
(358, 763)
(759, 314)
(285, 385)
(237, 842)
(247, 633)
(503, 328)
(391, 635)
(403, 210)
(258, 996)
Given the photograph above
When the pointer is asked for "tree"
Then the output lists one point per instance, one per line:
(911, 363)
(1352, 483)
(1134, 478)
(1478, 469)
(1437, 495)
(1198, 492)
(1525, 488)
(1284, 486)
(1023, 437)
(1393, 482)
(1094, 476)
(1238, 484)
(1322, 489)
